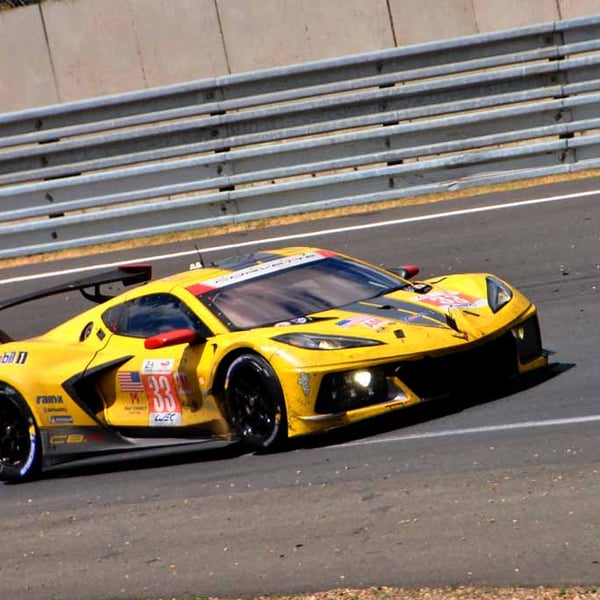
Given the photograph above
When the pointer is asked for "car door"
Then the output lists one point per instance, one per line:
(153, 387)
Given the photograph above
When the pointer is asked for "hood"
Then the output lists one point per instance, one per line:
(431, 320)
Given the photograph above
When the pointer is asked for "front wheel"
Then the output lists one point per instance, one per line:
(255, 403)
(20, 450)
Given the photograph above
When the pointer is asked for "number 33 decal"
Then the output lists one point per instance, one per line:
(162, 393)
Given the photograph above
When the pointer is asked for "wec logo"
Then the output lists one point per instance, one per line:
(166, 419)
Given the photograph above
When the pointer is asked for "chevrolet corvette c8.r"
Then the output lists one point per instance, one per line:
(257, 348)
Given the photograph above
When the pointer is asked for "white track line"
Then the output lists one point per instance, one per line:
(474, 430)
(312, 234)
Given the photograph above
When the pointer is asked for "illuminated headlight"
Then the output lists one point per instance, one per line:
(362, 379)
(313, 341)
(340, 392)
(498, 293)
(361, 384)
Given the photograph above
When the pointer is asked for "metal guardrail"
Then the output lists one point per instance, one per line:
(347, 131)
(16, 3)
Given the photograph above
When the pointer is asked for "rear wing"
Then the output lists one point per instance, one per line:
(126, 274)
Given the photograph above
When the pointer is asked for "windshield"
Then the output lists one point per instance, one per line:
(296, 292)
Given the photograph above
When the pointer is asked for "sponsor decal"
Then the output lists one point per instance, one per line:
(159, 365)
(138, 404)
(54, 409)
(14, 358)
(374, 323)
(304, 383)
(296, 321)
(182, 382)
(407, 312)
(137, 409)
(49, 400)
(421, 319)
(448, 299)
(62, 419)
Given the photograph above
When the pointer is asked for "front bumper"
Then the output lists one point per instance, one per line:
(401, 383)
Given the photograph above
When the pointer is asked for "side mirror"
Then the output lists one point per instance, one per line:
(173, 338)
(405, 271)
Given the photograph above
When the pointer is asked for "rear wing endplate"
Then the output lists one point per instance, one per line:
(126, 274)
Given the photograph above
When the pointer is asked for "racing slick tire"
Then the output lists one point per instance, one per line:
(20, 444)
(255, 403)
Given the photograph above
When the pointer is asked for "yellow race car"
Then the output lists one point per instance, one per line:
(256, 348)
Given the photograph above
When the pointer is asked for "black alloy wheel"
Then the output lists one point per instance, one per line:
(20, 451)
(255, 402)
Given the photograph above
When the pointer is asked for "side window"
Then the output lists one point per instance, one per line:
(151, 315)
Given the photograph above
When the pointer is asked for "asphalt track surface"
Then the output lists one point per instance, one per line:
(502, 489)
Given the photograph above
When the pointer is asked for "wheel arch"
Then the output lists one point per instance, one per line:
(218, 386)
(218, 383)
(14, 385)
(36, 414)
(17, 472)
(261, 419)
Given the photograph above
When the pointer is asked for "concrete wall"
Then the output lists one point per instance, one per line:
(107, 46)
(26, 75)
(269, 33)
(62, 50)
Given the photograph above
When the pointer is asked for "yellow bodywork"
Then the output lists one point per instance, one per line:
(81, 377)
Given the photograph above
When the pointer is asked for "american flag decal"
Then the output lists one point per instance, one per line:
(130, 381)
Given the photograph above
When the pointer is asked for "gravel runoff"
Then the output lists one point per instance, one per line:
(448, 593)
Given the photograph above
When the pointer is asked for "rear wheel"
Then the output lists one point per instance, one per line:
(255, 403)
(20, 450)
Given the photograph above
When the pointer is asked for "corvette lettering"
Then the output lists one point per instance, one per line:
(256, 271)
(72, 438)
